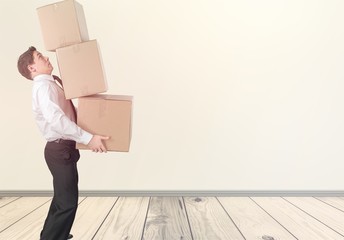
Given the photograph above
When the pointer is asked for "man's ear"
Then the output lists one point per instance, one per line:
(31, 68)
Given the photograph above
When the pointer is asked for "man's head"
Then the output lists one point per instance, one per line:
(32, 63)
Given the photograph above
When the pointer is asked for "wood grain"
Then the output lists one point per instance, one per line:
(90, 215)
(167, 219)
(189, 218)
(296, 221)
(18, 209)
(126, 220)
(208, 220)
(30, 226)
(6, 200)
(253, 222)
(337, 202)
(324, 213)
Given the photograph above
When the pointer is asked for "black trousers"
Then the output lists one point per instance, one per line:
(61, 159)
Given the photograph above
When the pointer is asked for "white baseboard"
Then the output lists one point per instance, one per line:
(229, 193)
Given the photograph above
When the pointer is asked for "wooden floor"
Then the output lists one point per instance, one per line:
(182, 218)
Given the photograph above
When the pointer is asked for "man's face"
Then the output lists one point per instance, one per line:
(41, 65)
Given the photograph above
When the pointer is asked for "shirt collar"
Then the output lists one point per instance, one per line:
(43, 77)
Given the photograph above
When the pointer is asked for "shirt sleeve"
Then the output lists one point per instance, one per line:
(47, 98)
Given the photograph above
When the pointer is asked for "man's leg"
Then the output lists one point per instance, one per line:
(61, 160)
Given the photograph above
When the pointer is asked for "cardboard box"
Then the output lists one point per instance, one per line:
(81, 69)
(107, 115)
(62, 24)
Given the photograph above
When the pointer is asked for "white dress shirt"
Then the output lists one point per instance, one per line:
(54, 114)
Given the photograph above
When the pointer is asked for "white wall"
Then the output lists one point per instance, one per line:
(228, 95)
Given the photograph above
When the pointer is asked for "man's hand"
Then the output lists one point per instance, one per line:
(96, 143)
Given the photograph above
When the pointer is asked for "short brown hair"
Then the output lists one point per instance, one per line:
(24, 61)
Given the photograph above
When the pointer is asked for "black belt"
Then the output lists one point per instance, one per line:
(64, 141)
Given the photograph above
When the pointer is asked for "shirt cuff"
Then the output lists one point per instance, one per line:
(86, 137)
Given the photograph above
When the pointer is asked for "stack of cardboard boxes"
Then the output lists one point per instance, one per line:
(79, 60)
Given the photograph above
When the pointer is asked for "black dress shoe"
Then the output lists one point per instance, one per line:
(70, 236)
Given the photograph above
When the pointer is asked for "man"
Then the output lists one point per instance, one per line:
(56, 119)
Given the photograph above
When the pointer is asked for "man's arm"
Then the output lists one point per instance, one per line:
(63, 125)
(96, 143)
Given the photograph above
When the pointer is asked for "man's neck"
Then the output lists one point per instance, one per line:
(43, 76)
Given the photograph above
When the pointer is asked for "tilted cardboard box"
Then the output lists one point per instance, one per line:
(107, 115)
(81, 69)
(62, 24)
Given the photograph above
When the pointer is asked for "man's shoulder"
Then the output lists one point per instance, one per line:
(42, 86)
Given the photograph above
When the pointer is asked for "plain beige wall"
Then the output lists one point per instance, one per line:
(228, 95)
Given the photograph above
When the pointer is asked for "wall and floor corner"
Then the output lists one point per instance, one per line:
(229, 96)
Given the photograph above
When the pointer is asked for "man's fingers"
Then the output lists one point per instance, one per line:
(103, 149)
(100, 149)
(104, 137)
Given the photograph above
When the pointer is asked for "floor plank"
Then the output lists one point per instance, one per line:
(208, 220)
(30, 226)
(326, 214)
(126, 219)
(7, 200)
(253, 222)
(336, 202)
(90, 215)
(187, 218)
(296, 221)
(18, 209)
(166, 219)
